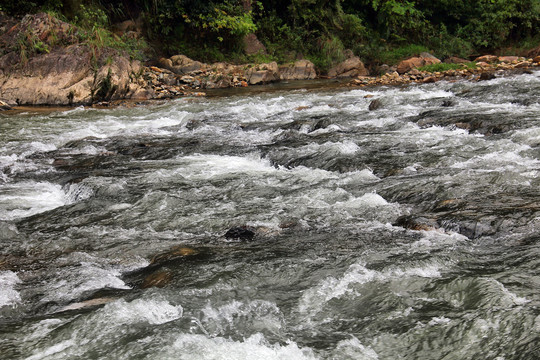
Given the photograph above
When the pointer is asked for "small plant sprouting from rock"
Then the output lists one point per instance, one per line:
(71, 96)
(105, 89)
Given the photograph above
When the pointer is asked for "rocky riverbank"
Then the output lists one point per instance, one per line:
(483, 68)
(45, 61)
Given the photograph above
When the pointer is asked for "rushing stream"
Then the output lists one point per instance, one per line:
(407, 232)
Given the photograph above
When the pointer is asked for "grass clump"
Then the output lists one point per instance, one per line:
(395, 55)
(441, 67)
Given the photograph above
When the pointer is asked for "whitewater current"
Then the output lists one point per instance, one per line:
(407, 232)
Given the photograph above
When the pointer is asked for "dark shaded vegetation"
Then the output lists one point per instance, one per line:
(379, 31)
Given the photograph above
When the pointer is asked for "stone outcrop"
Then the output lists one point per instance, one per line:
(223, 75)
(58, 70)
(68, 76)
(351, 67)
(416, 62)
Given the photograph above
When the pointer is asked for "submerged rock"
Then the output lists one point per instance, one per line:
(173, 254)
(448, 103)
(158, 279)
(87, 304)
(240, 233)
(486, 76)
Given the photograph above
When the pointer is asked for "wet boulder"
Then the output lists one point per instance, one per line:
(375, 105)
(158, 279)
(486, 76)
(417, 223)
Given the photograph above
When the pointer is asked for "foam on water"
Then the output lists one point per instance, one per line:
(151, 311)
(8, 295)
(195, 347)
(352, 349)
(72, 283)
(102, 327)
(350, 284)
(54, 351)
(210, 166)
(81, 273)
(435, 239)
(23, 199)
(257, 315)
(511, 161)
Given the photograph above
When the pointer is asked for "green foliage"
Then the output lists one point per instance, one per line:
(91, 18)
(219, 25)
(220, 22)
(93, 22)
(329, 52)
(446, 45)
(399, 20)
(444, 67)
(27, 44)
(380, 31)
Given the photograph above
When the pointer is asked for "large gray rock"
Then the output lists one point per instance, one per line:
(68, 77)
(63, 75)
(300, 70)
(351, 67)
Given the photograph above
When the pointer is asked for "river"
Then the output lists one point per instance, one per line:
(406, 232)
